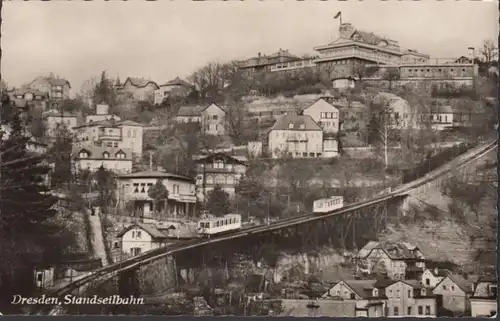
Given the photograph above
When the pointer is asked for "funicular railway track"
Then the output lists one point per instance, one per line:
(156, 254)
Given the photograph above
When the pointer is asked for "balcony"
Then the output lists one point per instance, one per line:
(357, 53)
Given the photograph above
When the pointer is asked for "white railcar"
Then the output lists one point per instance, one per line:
(325, 205)
(218, 225)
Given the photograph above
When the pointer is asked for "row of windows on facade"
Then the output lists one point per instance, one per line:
(218, 180)
(141, 187)
(421, 72)
(327, 124)
(119, 155)
(329, 115)
(130, 132)
(304, 154)
(300, 146)
(218, 165)
(409, 310)
(295, 135)
(211, 117)
(115, 166)
(213, 127)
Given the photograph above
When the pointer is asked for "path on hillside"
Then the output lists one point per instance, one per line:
(98, 246)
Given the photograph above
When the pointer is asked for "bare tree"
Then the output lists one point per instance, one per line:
(382, 124)
(489, 51)
(214, 78)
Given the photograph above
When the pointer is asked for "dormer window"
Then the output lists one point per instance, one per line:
(423, 292)
(105, 155)
(375, 293)
(302, 126)
(290, 125)
(83, 154)
(120, 155)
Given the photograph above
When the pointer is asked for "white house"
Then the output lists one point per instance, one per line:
(456, 292)
(111, 133)
(102, 113)
(325, 115)
(409, 299)
(175, 87)
(189, 114)
(139, 238)
(441, 117)
(391, 258)
(213, 120)
(118, 160)
(483, 302)
(297, 136)
(431, 277)
(134, 187)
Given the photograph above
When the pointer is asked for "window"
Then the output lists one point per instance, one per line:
(143, 189)
(138, 234)
(290, 125)
(215, 117)
(427, 282)
(218, 164)
(408, 311)
(353, 296)
(133, 234)
(176, 189)
(444, 287)
(397, 294)
(136, 187)
(409, 293)
(453, 288)
(427, 310)
(396, 311)
(39, 276)
(105, 155)
(116, 144)
(420, 310)
(220, 180)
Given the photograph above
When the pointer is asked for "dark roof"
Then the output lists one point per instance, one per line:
(220, 155)
(283, 123)
(395, 251)
(140, 82)
(190, 111)
(461, 282)
(441, 109)
(56, 113)
(177, 82)
(149, 228)
(155, 174)
(58, 82)
(363, 288)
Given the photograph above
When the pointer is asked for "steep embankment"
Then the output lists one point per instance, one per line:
(97, 239)
(452, 221)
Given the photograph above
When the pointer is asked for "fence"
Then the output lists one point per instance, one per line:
(434, 162)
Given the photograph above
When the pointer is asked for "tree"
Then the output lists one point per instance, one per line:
(489, 51)
(215, 78)
(159, 194)
(218, 202)
(36, 125)
(104, 92)
(106, 185)
(28, 232)
(381, 125)
(60, 156)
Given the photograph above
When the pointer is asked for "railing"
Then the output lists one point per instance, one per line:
(156, 254)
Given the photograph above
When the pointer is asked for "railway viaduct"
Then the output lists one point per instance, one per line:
(346, 229)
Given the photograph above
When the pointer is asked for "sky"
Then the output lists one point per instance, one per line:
(162, 40)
